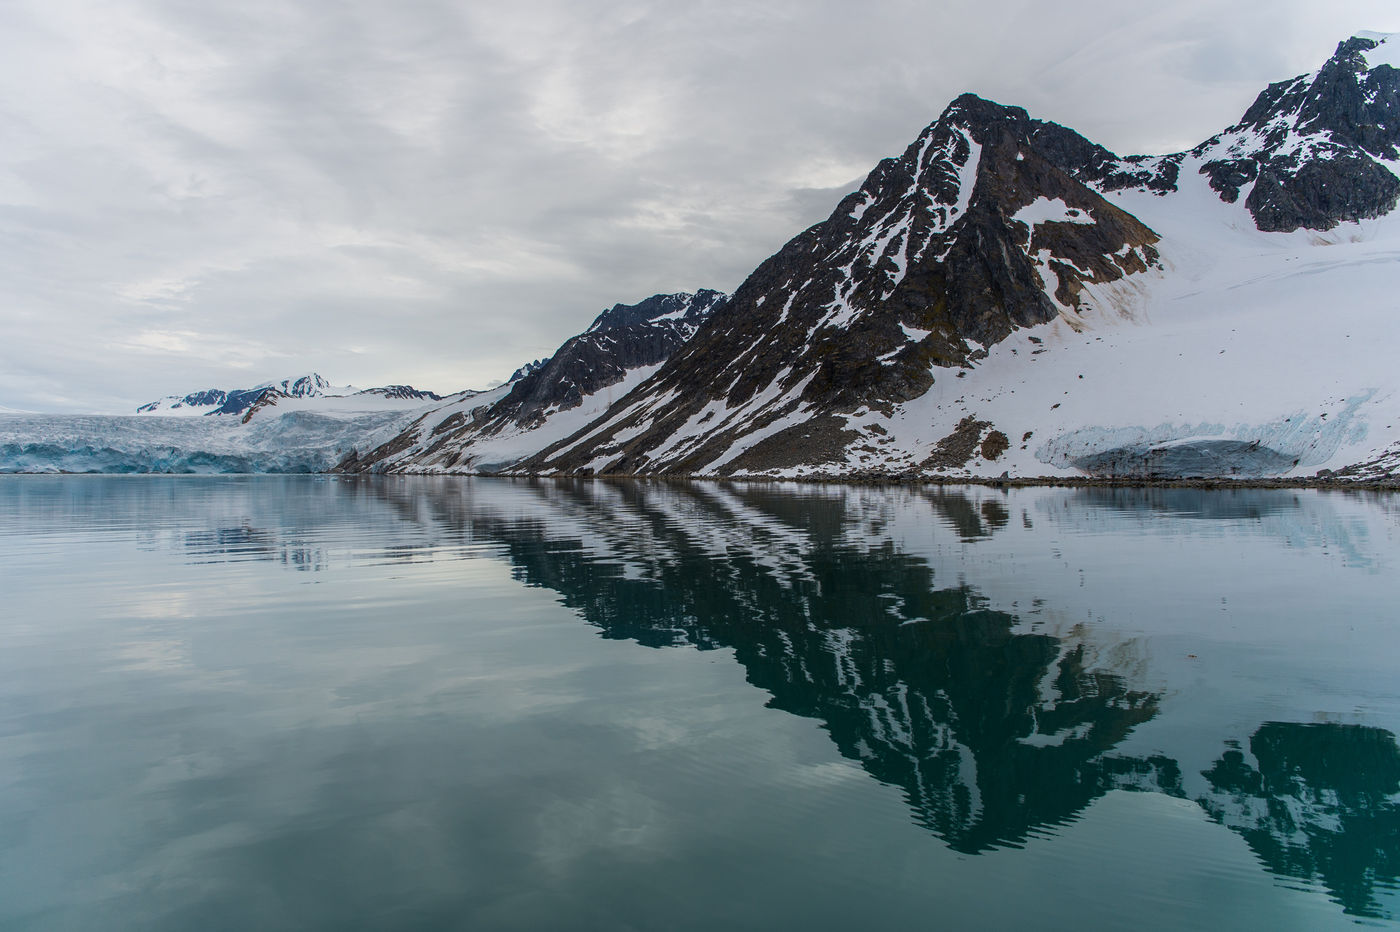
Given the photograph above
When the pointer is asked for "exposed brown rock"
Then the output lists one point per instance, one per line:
(995, 444)
(958, 448)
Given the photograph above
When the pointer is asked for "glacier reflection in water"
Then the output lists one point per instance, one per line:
(308, 701)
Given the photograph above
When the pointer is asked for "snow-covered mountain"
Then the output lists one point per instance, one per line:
(549, 399)
(238, 400)
(1009, 297)
(246, 400)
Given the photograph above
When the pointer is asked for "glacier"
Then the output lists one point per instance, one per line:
(298, 441)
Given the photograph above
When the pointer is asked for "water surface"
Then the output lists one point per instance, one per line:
(306, 702)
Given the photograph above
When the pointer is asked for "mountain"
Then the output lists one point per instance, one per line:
(548, 399)
(932, 259)
(1313, 150)
(246, 401)
(1008, 297)
(235, 401)
(1310, 153)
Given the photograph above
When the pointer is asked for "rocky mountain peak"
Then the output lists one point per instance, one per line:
(526, 369)
(624, 337)
(679, 306)
(973, 231)
(1347, 99)
(401, 393)
(1310, 152)
(306, 386)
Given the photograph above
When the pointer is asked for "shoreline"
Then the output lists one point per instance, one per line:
(1379, 485)
(1069, 482)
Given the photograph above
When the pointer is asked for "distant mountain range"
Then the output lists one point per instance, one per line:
(245, 401)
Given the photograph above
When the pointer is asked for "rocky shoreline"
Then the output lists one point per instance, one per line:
(1391, 484)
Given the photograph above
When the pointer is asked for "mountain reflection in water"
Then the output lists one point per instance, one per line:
(991, 731)
(998, 715)
(1322, 804)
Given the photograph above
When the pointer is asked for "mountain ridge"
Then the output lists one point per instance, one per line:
(974, 274)
(1055, 233)
(246, 401)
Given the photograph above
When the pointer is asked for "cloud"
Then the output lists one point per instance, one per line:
(434, 191)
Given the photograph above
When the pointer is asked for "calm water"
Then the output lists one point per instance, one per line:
(276, 703)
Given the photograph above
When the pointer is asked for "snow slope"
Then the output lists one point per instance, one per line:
(1286, 341)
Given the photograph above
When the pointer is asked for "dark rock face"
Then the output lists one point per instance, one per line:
(1094, 165)
(1310, 146)
(242, 399)
(267, 399)
(1319, 195)
(656, 310)
(921, 268)
(958, 448)
(245, 401)
(1358, 105)
(232, 402)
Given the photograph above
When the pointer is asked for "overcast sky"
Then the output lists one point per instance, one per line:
(199, 193)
